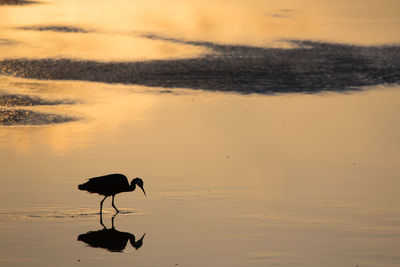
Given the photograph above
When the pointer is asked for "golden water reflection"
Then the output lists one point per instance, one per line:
(92, 46)
(247, 180)
(273, 172)
(246, 129)
(114, 31)
(102, 111)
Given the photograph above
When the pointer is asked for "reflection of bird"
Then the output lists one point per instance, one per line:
(110, 239)
(110, 185)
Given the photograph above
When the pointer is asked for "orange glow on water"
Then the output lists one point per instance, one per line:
(115, 34)
(231, 179)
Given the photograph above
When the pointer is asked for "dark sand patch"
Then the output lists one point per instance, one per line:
(6, 41)
(55, 28)
(28, 117)
(286, 10)
(311, 67)
(17, 2)
(277, 15)
(25, 100)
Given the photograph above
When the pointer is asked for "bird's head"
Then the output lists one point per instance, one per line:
(139, 182)
(136, 244)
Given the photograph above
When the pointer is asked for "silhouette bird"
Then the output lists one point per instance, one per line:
(110, 239)
(110, 185)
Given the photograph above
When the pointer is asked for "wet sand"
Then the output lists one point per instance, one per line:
(279, 177)
(310, 67)
(17, 2)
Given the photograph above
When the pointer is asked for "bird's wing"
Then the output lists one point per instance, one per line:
(107, 184)
(110, 177)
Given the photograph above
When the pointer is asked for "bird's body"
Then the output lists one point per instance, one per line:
(110, 185)
(107, 185)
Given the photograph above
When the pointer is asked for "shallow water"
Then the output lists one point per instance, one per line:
(279, 178)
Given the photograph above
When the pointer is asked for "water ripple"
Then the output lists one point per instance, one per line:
(58, 213)
(10, 100)
(29, 117)
(55, 28)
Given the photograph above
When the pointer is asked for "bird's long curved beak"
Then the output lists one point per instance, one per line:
(136, 244)
(142, 236)
(141, 187)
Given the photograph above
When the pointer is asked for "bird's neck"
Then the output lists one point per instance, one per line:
(132, 187)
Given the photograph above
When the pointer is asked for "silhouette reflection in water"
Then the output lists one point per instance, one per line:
(110, 239)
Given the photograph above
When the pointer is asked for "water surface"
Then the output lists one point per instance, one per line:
(246, 170)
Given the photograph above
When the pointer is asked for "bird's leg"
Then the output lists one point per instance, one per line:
(101, 204)
(101, 220)
(113, 204)
(112, 220)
